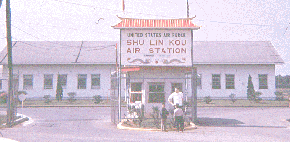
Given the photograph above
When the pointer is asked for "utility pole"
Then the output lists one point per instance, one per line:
(193, 85)
(10, 109)
(187, 9)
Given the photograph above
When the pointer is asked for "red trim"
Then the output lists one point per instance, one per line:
(155, 23)
(125, 69)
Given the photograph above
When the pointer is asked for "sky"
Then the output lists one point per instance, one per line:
(91, 20)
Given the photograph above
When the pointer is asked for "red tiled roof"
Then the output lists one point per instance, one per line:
(184, 23)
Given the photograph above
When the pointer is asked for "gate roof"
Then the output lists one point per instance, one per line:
(131, 23)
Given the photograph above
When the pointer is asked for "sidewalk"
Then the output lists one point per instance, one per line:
(6, 140)
(21, 118)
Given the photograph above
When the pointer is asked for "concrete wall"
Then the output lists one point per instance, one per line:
(72, 72)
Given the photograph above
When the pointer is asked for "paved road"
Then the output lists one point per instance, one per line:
(93, 124)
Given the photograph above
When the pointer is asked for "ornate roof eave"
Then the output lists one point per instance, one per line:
(134, 23)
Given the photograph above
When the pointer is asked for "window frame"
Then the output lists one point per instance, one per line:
(63, 80)
(95, 81)
(48, 81)
(27, 81)
(216, 81)
(199, 81)
(82, 77)
(152, 95)
(230, 81)
(135, 95)
(262, 83)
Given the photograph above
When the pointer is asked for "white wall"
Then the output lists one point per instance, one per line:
(72, 72)
(241, 73)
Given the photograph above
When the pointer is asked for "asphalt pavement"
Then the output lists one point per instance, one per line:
(91, 124)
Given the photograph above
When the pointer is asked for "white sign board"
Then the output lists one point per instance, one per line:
(22, 97)
(156, 47)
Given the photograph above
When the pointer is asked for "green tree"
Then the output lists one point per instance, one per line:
(59, 91)
(250, 90)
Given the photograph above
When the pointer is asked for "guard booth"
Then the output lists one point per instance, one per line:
(155, 56)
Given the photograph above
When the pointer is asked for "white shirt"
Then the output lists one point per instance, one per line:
(177, 98)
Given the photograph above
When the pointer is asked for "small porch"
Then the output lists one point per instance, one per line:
(151, 86)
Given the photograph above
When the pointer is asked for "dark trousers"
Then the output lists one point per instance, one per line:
(163, 124)
(179, 122)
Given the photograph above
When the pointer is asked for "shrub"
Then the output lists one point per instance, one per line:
(155, 116)
(250, 89)
(3, 97)
(257, 97)
(97, 99)
(207, 99)
(59, 90)
(233, 97)
(72, 96)
(46, 99)
(140, 113)
(279, 96)
(171, 119)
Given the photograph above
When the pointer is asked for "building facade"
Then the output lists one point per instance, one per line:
(86, 67)
(82, 67)
(165, 52)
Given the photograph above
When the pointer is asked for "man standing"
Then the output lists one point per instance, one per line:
(177, 97)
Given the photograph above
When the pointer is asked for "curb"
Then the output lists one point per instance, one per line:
(22, 119)
(7, 140)
(120, 126)
(35, 106)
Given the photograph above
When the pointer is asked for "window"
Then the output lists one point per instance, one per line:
(263, 81)
(48, 81)
(156, 92)
(230, 81)
(198, 81)
(27, 82)
(136, 92)
(82, 81)
(96, 81)
(0, 84)
(15, 82)
(63, 80)
(216, 81)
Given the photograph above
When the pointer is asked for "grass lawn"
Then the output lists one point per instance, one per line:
(60, 103)
(244, 103)
(200, 103)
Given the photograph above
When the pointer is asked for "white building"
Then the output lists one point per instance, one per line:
(164, 52)
(83, 67)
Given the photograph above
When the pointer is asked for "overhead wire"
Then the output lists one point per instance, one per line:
(221, 22)
(129, 12)
(53, 42)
